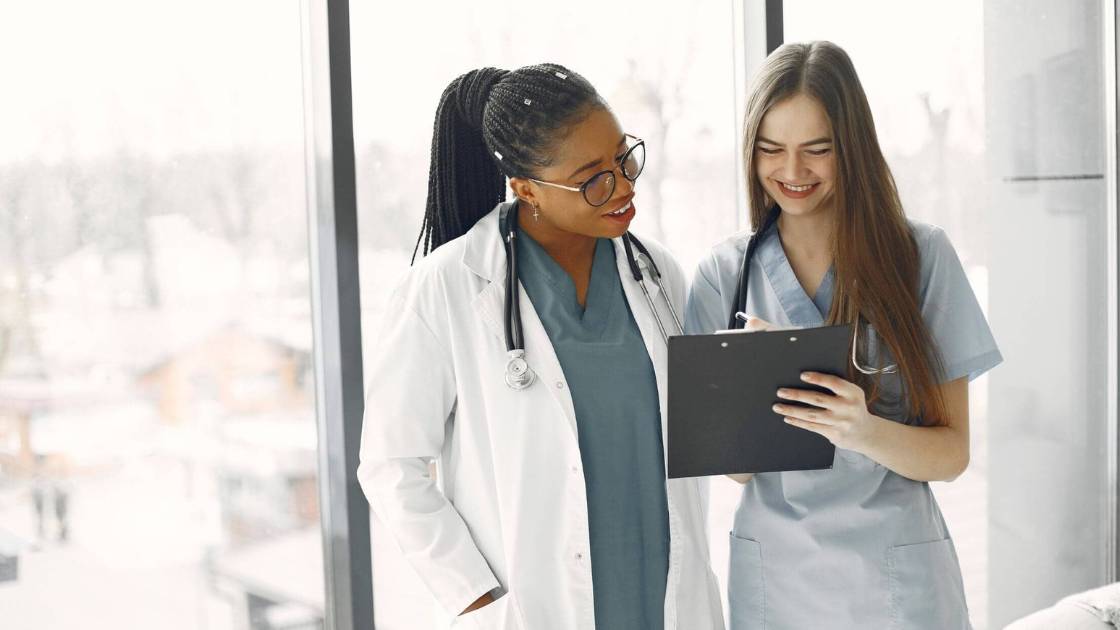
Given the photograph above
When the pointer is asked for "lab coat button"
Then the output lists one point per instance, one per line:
(559, 384)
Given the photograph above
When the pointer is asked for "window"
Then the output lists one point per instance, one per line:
(157, 425)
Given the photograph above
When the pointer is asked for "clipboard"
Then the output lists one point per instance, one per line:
(721, 391)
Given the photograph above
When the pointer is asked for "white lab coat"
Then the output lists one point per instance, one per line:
(510, 508)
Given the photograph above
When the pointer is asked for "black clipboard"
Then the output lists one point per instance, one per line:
(722, 388)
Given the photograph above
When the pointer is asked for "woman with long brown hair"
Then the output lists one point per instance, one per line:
(864, 544)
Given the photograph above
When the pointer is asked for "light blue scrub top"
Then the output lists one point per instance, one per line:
(614, 392)
(857, 546)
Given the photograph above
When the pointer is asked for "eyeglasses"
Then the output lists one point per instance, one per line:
(599, 188)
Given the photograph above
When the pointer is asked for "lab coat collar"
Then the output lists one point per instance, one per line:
(624, 268)
(484, 254)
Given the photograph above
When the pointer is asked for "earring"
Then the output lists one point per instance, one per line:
(536, 213)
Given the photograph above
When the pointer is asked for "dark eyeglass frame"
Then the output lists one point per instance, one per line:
(621, 166)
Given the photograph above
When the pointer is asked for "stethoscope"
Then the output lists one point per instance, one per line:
(518, 373)
(738, 318)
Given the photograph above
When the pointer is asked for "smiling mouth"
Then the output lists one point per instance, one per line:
(798, 189)
(621, 211)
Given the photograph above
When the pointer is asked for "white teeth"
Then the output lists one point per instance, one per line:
(797, 188)
(621, 210)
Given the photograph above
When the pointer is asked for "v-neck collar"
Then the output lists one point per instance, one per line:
(823, 297)
(603, 280)
(798, 306)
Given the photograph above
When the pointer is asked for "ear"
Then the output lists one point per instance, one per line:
(525, 190)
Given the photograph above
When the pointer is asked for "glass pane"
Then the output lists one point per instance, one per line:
(668, 75)
(990, 116)
(157, 428)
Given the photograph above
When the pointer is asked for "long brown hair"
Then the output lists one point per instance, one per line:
(875, 256)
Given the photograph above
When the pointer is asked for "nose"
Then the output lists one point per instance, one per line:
(622, 186)
(794, 166)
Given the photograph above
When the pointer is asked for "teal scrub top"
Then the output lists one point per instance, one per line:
(857, 546)
(614, 392)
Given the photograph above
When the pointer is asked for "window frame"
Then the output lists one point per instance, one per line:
(336, 311)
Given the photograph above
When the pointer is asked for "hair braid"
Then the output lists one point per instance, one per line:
(491, 124)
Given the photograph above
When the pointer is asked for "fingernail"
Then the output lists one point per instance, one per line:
(783, 392)
(776, 407)
(806, 377)
(786, 420)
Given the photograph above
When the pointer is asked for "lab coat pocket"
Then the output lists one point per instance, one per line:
(925, 587)
(746, 595)
(502, 614)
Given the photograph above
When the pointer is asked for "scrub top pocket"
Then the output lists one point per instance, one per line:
(925, 587)
(746, 592)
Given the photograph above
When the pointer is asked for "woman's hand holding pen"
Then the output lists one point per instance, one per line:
(752, 323)
(841, 416)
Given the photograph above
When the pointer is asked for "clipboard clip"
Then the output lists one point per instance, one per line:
(743, 317)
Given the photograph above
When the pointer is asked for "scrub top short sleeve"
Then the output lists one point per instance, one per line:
(951, 311)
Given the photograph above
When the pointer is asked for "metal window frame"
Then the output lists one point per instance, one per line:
(336, 311)
(1110, 19)
(775, 25)
(752, 23)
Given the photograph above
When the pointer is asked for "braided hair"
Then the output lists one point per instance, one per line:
(492, 124)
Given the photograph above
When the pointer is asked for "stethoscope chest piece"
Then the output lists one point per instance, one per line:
(518, 374)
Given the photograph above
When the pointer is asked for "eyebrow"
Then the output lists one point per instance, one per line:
(824, 140)
(594, 163)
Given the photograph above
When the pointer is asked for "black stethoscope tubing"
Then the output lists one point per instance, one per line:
(514, 337)
(739, 305)
(518, 375)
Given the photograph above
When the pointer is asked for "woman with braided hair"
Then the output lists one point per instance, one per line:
(525, 355)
